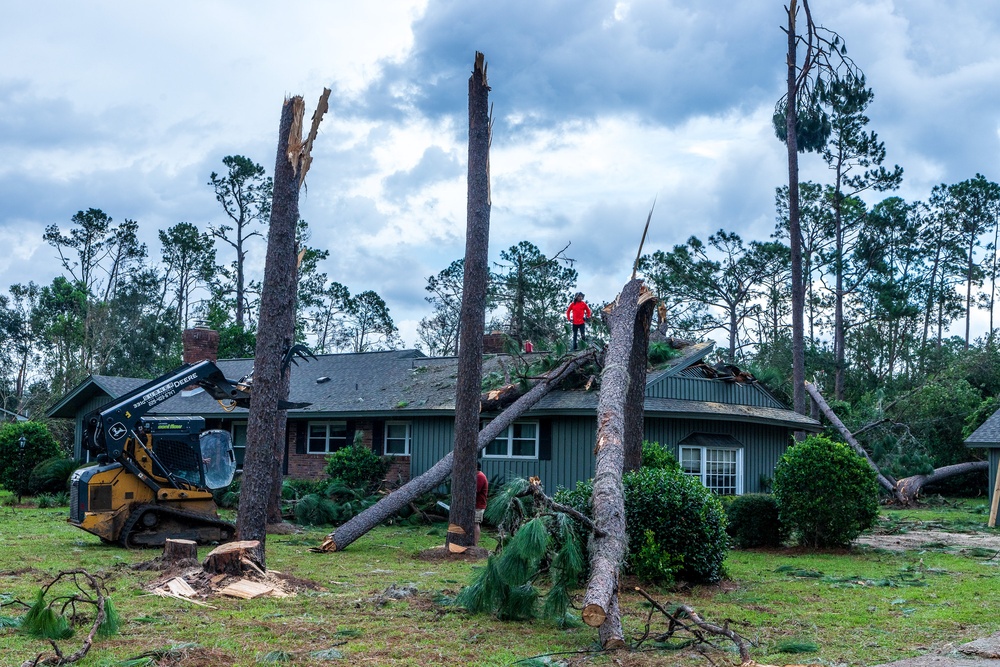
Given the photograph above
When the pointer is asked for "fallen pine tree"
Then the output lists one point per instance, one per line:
(437, 474)
(903, 491)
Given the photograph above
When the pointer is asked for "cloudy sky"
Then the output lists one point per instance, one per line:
(599, 108)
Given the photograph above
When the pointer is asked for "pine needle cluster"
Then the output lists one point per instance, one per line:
(543, 550)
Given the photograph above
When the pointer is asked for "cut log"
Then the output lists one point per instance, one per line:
(175, 550)
(391, 504)
(235, 558)
(607, 551)
(637, 364)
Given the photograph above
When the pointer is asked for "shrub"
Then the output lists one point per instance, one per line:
(676, 527)
(51, 475)
(754, 521)
(655, 455)
(358, 467)
(686, 519)
(826, 494)
(15, 466)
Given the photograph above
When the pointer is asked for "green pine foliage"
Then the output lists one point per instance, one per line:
(826, 494)
(112, 620)
(43, 622)
(543, 547)
(754, 521)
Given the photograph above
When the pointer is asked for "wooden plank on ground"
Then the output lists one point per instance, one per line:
(246, 589)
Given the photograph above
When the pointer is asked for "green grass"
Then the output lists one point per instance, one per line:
(859, 607)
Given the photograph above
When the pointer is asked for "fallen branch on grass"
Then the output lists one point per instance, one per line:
(677, 621)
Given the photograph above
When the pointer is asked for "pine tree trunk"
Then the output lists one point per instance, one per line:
(607, 549)
(276, 326)
(393, 503)
(634, 401)
(794, 228)
(461, 519)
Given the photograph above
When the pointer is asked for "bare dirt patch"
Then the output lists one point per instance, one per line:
(931, 539)
(470, 555)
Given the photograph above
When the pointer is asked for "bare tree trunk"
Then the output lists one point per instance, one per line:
(794, 228)
(391, 504)
(607, 551)
(280, 439)
(637, 364)
(909, 488)
(461, 518)
(883, 481)
(277, 321)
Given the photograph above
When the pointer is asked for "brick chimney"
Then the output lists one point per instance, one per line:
(200, 343)
(493, 343)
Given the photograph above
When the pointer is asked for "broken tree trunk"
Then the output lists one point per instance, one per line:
(276, 326)
(175, 550)
(637, 364)
(236, 558)
(884, 481)
(391, 504)
(469, 385)
(607, 551)
(906, 490)
(909, 487)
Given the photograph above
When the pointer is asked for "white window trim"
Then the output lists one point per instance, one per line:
(409, 438)
(510, 443)
(327, 423)
(703, 467)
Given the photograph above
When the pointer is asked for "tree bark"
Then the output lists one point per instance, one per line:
(634, 401)
(461, 517)
(276, 325)
(391, 504)
(607, 551)
(794, 228)
(883, 481)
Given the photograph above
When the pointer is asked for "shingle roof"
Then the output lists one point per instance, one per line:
(407, 382)
(987, 435)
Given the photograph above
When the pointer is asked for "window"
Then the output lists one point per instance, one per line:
(517, 441)
(239, 431)
(720, 470)
(326, 437)
(397, 438)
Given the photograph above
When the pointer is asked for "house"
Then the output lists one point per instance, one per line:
(987, 437)
(727, 430)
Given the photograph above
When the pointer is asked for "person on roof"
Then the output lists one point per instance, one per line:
(578, 315)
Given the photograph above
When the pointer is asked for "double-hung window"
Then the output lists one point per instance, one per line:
(719, 468)
(397, 438)
(517, 441)
(326, 437)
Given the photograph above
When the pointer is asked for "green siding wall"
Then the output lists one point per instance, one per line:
(573, 444)
(695, 389)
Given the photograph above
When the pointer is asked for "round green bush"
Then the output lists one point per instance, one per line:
(51, 475)
(15, 466)
(826, 494)
(754, 521)
(654, 455)
(358, 467)
(676, 527)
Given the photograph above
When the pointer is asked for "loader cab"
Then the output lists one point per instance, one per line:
(182, 447)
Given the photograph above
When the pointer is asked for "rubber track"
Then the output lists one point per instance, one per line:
(193, 518)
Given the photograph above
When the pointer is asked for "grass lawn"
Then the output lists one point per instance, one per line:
(860, 607)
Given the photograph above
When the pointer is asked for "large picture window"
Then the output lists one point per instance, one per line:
(397, 438)
(517, 441)
(326, 437)
(716, 460)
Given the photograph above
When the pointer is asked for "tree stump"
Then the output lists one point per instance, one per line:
(175, 550)
(235, 558)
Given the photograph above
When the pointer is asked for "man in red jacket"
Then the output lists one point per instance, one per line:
(578, 314)
(482, 492)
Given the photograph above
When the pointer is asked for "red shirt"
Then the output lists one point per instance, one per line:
(482, 490)
(577, 311)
